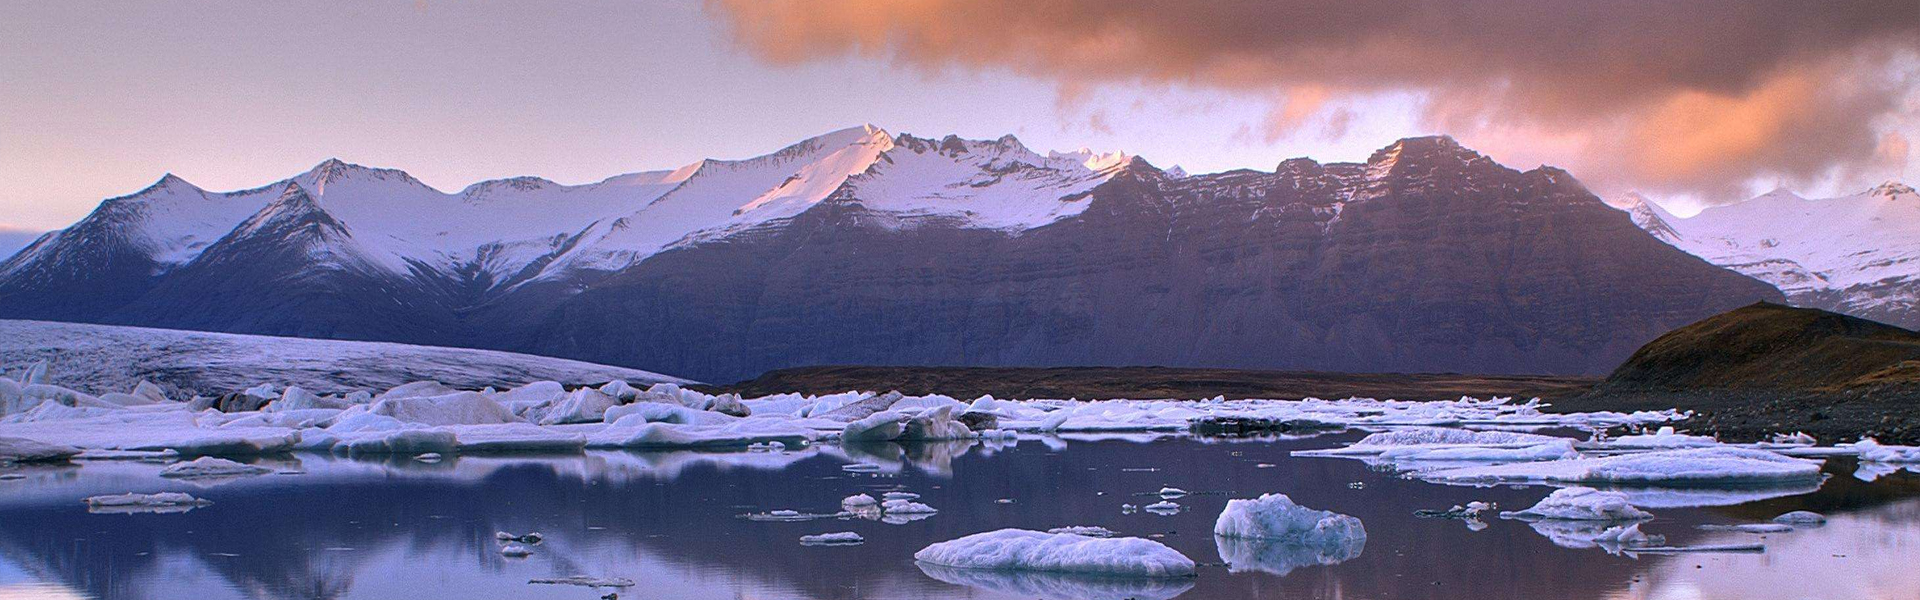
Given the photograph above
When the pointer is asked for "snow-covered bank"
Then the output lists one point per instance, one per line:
(99, 359)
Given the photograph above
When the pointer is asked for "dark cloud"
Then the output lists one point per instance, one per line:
(1682, 94)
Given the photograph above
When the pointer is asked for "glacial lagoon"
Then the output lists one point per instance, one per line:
(689, 524)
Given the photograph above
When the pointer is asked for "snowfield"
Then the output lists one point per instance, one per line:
(98, 359)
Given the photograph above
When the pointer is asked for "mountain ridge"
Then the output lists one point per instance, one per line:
(1429, 256)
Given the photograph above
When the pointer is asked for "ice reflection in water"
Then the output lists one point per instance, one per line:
(403, 528)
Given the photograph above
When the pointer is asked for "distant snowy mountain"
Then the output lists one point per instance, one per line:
(859, 246)
(1857, 254)
(103, 358)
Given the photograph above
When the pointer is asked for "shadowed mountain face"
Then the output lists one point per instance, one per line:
(1428, 257)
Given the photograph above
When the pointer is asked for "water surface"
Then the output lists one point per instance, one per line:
(404, 529)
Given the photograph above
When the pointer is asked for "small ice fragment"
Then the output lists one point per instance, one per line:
(1801, 517)
(784, 513)
(900, 496)
(1003, 501)
(530, 538)
(1172, 492)
(858, 501)
(428, 457)
(860, 468)
(843, 538)
(515, 551)
(1162, 508)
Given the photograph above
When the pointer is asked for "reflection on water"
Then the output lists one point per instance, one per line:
(338, 528)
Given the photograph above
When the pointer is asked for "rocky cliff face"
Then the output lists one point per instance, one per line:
(863, 248)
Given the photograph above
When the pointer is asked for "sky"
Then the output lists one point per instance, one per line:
(1690, 102)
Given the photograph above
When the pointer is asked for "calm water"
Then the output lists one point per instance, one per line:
(672, 521)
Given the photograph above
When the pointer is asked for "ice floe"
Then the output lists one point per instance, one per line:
(1023, 550)
(584, 581)
(207, 467)
(1800, 518)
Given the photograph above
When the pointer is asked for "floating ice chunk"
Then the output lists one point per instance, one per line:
(843, 538)
(403, 441)
(634, 415)
(900, 496)
(21, 450)
(1172, 492)
(515, 551)
(858, 501)
(906, 507)
(1427, 436)
(532, 395)
(417, 389)
(881, 426)
(161, 503)
(861, 468)
(1581, 504)
(584, 405)
(1872, 451)
(1162, 508)
(935, 424)
(846, 409)
(584, 581)
(1619, 537)
(459, 408)
(207, 467)
(1801, 518)
(1697, 466)
(1276, 517)
(1663, 439)
(428, 457)
(739, 433)
(514, 437)
(1023, 550)
(1089, 531)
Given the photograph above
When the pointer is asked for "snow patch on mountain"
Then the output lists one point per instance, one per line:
(1858, 253)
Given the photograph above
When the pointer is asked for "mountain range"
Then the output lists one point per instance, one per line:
(863, 247)
(1857, 254)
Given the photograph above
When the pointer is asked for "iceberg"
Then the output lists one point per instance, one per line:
(1023, 550)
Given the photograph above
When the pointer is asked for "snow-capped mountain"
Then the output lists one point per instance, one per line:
(864, 246)
(1857, 254)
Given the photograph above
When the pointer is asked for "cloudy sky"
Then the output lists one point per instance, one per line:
(1688, 101)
